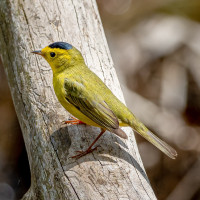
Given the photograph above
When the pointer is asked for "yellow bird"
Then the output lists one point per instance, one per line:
(82, 93)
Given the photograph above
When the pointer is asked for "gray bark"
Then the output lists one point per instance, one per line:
(115, 170)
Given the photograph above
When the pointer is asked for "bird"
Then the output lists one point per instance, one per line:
(83, 94)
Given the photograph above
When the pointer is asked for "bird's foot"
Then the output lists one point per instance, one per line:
(73, 121)
(83, 153)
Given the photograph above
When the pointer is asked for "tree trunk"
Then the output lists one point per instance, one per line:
(115, 170)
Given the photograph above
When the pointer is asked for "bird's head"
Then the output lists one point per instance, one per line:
(60, 55)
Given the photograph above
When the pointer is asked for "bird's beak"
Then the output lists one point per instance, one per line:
(37, 52)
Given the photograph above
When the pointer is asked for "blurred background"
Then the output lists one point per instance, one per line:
(155, 46)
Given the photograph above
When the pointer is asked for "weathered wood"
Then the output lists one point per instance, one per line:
(115, 170)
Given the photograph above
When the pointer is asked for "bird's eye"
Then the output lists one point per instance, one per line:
(52, 54)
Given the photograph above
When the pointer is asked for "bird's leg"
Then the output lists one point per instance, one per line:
(74, 121)
(90, 149)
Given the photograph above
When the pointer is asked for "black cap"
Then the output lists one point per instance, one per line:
(61, 45)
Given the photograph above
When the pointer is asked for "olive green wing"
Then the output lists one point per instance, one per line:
(92, 106)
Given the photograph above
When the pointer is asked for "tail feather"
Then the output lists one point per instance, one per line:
(163, 146)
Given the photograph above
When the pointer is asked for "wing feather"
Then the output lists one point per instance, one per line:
(93, 106)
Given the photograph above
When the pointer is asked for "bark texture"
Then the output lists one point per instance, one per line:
(115, 170)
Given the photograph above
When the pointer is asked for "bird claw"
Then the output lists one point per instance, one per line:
(73, 121)
(83, 153)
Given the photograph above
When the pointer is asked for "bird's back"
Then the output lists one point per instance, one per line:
(96, 87)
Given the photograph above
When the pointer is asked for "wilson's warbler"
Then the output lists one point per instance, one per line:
(85, 96)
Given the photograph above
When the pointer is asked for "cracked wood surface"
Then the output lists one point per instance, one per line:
(115, 170)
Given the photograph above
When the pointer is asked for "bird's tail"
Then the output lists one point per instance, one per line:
(148, 135)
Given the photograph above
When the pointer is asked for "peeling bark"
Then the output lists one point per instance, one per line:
(115, 170)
